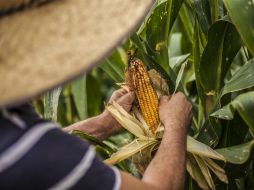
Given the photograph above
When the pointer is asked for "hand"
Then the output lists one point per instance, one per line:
(124, 99)
(175, 112)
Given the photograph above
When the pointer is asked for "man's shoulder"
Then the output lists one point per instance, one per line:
(35, 149)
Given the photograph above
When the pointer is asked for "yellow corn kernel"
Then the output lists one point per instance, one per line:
(139, 81)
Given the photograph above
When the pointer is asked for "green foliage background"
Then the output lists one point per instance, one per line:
(215, 39)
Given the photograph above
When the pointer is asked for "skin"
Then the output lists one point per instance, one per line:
(167, 169)
(104, 125)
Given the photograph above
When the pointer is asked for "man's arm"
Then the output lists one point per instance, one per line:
(104, 125)
(167, 169)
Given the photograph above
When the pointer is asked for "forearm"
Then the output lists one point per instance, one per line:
(100, 126)
(104, 125)
(167, 169)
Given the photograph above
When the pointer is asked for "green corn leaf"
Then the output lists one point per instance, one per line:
(179, 76)
(222, 46)
(79, 93)
(160, 22)
(242, 79)
(158, 28)
(186, 19)
(177, 61)
(115, 65)
(202, 12)
(238, 154)
(226, 112)
(51, 103)
(242, 15)
(198, 148)
(175, 47)
(197, 51)
(92, 140)
(243, 104)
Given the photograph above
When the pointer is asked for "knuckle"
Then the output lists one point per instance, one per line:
(132, 94)
(180, 94)
(120, 91)
(163, 99)
(115, 93)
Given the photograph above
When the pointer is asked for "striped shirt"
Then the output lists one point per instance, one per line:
(35, 154)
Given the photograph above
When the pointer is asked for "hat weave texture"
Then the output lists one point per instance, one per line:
(47, 45)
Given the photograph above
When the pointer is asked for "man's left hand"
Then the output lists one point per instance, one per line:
(125, 99)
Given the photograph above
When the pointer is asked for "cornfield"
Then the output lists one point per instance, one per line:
(203, 48)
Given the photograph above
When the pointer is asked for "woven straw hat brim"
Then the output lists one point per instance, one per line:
(44, 46)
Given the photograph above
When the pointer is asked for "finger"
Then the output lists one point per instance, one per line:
(169, 97)
(126, 87)
(180, 95)
(164, 99)
(126, 100)
(120, 92)
(117, 94)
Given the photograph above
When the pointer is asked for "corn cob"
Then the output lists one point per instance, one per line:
(139, 81)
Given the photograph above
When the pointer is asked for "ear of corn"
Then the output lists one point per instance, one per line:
(139, 81)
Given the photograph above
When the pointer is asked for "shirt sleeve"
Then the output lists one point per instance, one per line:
(55, 160)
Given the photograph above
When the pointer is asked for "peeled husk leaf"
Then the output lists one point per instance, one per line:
(198, 148)
(126, 120)
(195, 172)
(130, 149)
(159, 83)
(217, 170)
(205, 171)
(200, 169)
(143, 158)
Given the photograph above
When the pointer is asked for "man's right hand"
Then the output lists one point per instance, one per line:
(175, 112)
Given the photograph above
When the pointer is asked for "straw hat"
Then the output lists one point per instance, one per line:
(45, 43)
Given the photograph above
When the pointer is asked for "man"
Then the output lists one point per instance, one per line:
(45, 43)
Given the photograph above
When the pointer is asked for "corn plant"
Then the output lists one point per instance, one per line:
(203, 48)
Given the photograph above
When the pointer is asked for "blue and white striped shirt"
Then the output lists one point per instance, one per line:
(35, 154)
